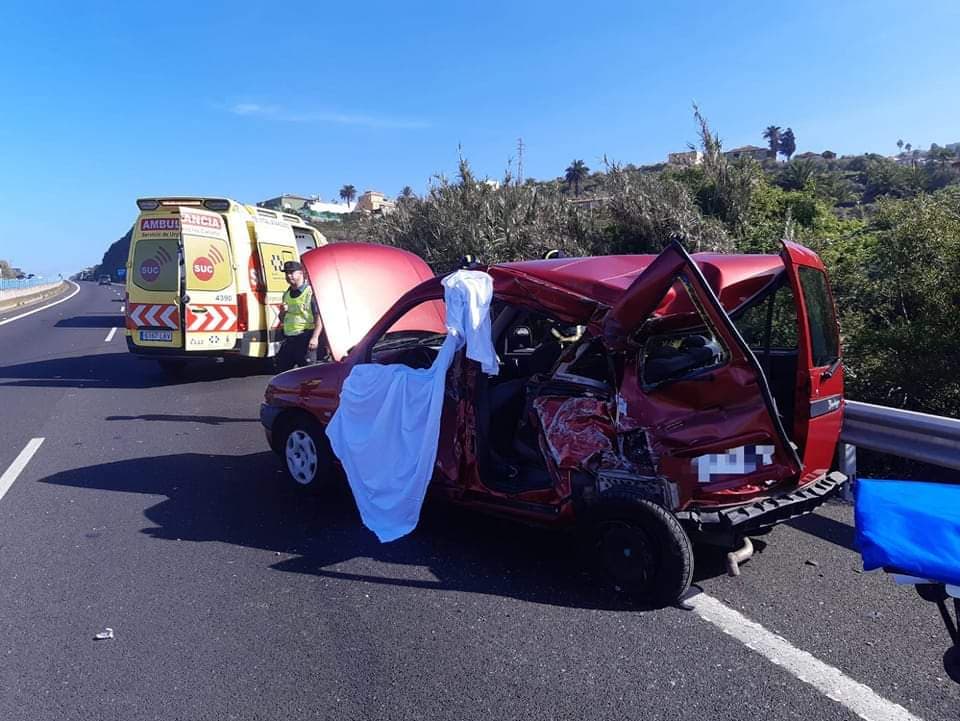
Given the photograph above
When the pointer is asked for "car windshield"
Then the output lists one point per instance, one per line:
(408, 337)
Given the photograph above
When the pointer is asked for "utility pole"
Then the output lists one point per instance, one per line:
(519, 161)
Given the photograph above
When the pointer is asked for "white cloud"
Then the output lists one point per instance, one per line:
(252, 109)
(326, 117)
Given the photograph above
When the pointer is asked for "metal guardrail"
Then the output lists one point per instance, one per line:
(14, 284)
(908, 434)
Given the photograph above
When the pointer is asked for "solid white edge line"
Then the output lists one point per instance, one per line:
(110, 335)
(830, 681)
(37, 310)
(19, 463)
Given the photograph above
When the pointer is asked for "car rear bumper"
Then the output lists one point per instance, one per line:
(768, 512)
(173, 353)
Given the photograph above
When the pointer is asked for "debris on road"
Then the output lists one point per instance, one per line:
(811, 563)
(104, 635)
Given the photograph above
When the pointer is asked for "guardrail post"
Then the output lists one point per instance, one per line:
(847, 453)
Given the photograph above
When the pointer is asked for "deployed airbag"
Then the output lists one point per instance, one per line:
(386, 430)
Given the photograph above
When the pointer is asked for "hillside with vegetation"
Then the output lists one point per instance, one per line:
(888, 229)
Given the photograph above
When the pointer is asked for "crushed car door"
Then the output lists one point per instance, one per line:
(690, 380)
(819, 399)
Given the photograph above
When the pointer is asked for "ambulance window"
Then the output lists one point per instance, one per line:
(208, 262)
(305, 241)
(155, 264)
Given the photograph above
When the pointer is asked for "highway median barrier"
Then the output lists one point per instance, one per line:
(13, 298)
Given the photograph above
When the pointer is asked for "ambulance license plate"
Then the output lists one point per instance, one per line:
(166, 335)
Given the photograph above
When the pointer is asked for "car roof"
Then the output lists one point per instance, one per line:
(734, 278)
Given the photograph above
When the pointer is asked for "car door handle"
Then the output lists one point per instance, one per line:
(828, 373)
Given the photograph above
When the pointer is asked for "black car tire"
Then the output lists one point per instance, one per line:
(305, 453)
(641, 549)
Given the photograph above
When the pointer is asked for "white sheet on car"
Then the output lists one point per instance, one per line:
(387, 427)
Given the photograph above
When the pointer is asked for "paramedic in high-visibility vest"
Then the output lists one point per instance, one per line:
(301, 321)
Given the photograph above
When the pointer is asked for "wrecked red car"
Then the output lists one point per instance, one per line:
(644, 400)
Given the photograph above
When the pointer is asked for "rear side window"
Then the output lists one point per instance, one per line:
(684, 348)
(776, 313)
(824, 343)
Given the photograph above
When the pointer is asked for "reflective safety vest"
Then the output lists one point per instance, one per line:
(299, 315)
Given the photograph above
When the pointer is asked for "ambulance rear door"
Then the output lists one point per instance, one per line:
(210, 292)
(276, 245)
(153, 312)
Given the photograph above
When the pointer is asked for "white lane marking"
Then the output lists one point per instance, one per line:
(19, 463)
(110, 335)
(830, 681)
(49, 305)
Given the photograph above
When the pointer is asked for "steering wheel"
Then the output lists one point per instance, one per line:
(419, 357)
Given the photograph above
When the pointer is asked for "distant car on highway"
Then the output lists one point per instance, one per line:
(645, 400)
(104, 280)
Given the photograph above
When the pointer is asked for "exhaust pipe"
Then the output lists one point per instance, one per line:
(735, 558)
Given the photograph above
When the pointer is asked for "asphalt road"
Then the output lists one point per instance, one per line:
(156, 510)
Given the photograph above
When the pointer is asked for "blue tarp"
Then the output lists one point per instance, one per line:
(911, 526)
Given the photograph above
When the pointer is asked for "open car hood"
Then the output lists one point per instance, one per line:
(356, 283)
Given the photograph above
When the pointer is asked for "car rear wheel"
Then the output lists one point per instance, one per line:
(306, 454)
(642, 550)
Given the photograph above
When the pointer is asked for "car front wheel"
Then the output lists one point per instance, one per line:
(642, 550)
(307, 457)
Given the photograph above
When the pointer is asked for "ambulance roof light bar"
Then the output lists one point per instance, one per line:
(216, 204)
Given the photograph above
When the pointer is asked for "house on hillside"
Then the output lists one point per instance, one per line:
(687, 158)
(748, 151)
(373, 201)
(286, 203)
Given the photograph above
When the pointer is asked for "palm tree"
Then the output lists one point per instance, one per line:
(348, 193)
(798, 174)
(407, 192)
(772, 134)
(788, 143)
(908, 146)
(575, 174)
(900, 145)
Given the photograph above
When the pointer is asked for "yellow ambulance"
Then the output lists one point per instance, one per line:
(205, 278)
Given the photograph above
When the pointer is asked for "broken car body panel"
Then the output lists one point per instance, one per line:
(661, 393)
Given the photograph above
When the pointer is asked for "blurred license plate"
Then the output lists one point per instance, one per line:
(156, 335)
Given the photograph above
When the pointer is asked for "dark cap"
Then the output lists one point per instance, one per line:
(291, 265)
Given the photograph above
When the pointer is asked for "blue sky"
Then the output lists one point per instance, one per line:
(113, 101)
